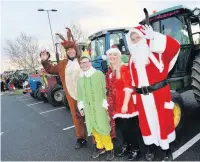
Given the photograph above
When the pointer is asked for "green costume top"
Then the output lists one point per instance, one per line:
(92, 99)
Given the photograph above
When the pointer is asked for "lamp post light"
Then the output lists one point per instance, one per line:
(53, 10)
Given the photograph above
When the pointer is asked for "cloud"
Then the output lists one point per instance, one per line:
(116, 13)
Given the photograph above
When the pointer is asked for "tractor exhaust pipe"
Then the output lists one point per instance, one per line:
(57, 55)
(146, 16)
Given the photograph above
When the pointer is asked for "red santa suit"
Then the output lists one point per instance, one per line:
(156, 108)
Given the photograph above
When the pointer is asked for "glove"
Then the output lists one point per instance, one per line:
(82, 112)
(148, 31)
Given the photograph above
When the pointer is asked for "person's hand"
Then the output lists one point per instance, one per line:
(124, 108)
(82, 112)
(148, 31)
(44, 56)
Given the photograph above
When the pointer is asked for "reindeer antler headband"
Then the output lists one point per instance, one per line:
(70, 43)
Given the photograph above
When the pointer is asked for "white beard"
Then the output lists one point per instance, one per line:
(140, 53)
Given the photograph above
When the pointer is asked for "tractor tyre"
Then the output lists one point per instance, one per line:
(196, 78)
(178, 111)
(41, 96)
(55, 95)
(32, 94)
(65, 102)
(36, 93)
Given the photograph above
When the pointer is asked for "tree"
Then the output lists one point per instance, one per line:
(23, 52)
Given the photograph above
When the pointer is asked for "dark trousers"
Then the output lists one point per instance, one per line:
(129, 129)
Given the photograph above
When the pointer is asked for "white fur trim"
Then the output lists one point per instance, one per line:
(173, 61)
(128, 89)
(158, 44)
(158, 64)
(80, 105)
(134, 98)
(105, 104)
(164, 144)
(104, 57)
(113, 50)
(149, 107)
(88, 73)
(169, 105)
(120, 115)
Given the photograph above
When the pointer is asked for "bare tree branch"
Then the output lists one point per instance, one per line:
(23, 52)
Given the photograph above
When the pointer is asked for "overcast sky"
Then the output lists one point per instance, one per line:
(92, 15)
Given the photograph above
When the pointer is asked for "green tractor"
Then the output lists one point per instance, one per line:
(181, 23)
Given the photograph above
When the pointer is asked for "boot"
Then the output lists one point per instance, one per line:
(80, 143)
(124, 151)
(134, 155)
(97, 152)
(110, 155)
(150, 153)
(168, 155)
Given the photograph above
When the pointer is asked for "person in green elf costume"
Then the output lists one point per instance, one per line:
(93, 104)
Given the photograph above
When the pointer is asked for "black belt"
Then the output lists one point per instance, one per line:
(149, 89)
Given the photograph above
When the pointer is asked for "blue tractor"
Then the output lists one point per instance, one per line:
(34, 83)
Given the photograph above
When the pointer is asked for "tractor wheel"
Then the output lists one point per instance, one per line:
(196, 78)
(65, 102)
(32, 94)
(41, 96)
(55, 95)
(178, 111)
(36, 93)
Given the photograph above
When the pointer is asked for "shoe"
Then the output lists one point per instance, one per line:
(124, 151)
(168, 155)
(110, 155)
(80, 143)
(98, 152)
(150, 153)
(134, 155)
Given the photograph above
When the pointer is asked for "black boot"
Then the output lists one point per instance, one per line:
(124, 151)
(110, 155)
(168, 155)
(80, 143)
(97, 152)
(134, 155)
(150, 153)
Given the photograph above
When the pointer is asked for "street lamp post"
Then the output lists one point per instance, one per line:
(53, 10)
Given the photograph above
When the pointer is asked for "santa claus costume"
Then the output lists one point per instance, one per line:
(151, 60)
(119, 92)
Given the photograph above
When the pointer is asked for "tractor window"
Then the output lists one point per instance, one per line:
(156, 26)
(177, 28)
(97, 47)
(117, 39)
(195, 26)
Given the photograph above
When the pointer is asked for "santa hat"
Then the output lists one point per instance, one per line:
(113, 49)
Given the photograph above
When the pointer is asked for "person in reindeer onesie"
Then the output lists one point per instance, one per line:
(153, 55)
(68, 70)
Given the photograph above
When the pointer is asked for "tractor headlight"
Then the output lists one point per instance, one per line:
(196, 11)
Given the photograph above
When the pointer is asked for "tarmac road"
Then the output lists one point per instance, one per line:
(32, 130)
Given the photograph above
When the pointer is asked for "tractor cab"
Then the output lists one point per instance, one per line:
(101, 41)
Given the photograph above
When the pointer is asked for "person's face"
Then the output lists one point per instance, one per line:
(112, 58)
(71, 52)
(135, 38)
(85, 64)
